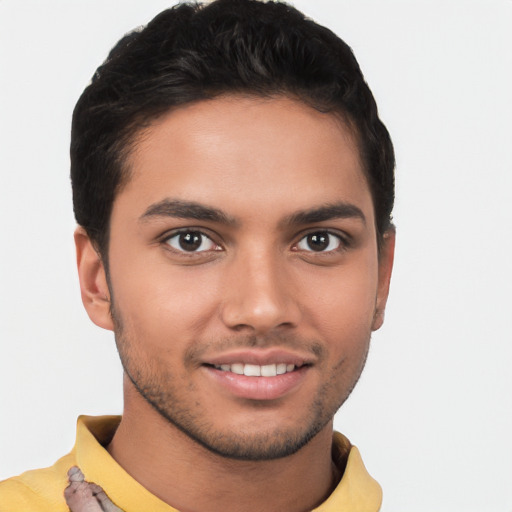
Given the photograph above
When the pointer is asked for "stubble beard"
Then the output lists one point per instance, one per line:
(157, 386)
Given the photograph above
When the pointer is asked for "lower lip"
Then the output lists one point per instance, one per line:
(258, 388)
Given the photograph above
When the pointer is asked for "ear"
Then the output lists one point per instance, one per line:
(386, 257)
(93, 281)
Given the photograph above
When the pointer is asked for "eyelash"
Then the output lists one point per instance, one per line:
(191, 232)
(342, 241)
(341, 244)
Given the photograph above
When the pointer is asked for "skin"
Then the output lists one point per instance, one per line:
(257, 285)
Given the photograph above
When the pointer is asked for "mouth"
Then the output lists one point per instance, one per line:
(259, 374)
(256, 370)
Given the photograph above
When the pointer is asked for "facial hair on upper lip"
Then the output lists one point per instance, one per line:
(196, 355)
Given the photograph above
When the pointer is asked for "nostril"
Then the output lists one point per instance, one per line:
(242, 327)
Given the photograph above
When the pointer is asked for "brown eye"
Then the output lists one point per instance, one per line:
(320, 241)
(191, 241)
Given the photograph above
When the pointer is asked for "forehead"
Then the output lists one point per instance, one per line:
(239, 153)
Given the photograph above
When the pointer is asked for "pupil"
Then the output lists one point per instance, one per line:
(190, 241)
(318, 241)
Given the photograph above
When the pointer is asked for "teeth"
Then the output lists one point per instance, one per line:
(252, 370)
(237, 368)
(269, 370)
(281, 368)
(255, 370)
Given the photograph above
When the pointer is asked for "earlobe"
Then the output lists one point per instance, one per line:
(386, 257)
(93, 281)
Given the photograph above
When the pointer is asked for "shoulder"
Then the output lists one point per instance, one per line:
(40, 490)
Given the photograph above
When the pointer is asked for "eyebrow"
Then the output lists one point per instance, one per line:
(341, 210)
(186, 210)
(192, 210)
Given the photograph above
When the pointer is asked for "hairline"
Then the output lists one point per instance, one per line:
(140, 127)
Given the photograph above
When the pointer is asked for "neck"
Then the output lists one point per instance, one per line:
(190, 478)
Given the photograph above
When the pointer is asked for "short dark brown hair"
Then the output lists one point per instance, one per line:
(193, 52)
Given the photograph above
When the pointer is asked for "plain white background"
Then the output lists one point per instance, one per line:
(432, 413)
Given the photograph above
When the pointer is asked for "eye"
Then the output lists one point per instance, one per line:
(191, 241)
(320, 241)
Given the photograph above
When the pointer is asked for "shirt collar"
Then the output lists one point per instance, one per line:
(357, 491)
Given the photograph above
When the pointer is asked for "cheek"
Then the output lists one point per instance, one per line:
(342, 301)
(162, 304)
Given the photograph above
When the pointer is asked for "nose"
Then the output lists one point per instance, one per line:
(259, 295)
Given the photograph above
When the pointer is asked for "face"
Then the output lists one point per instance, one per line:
(244, 274)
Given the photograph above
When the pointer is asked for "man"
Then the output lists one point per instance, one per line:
(233, 187)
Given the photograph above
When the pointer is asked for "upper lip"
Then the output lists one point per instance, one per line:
(260, 357)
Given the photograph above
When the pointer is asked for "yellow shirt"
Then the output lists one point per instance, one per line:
(42, 490)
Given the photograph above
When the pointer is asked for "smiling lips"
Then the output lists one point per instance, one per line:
(259, 375)
(255, 370)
